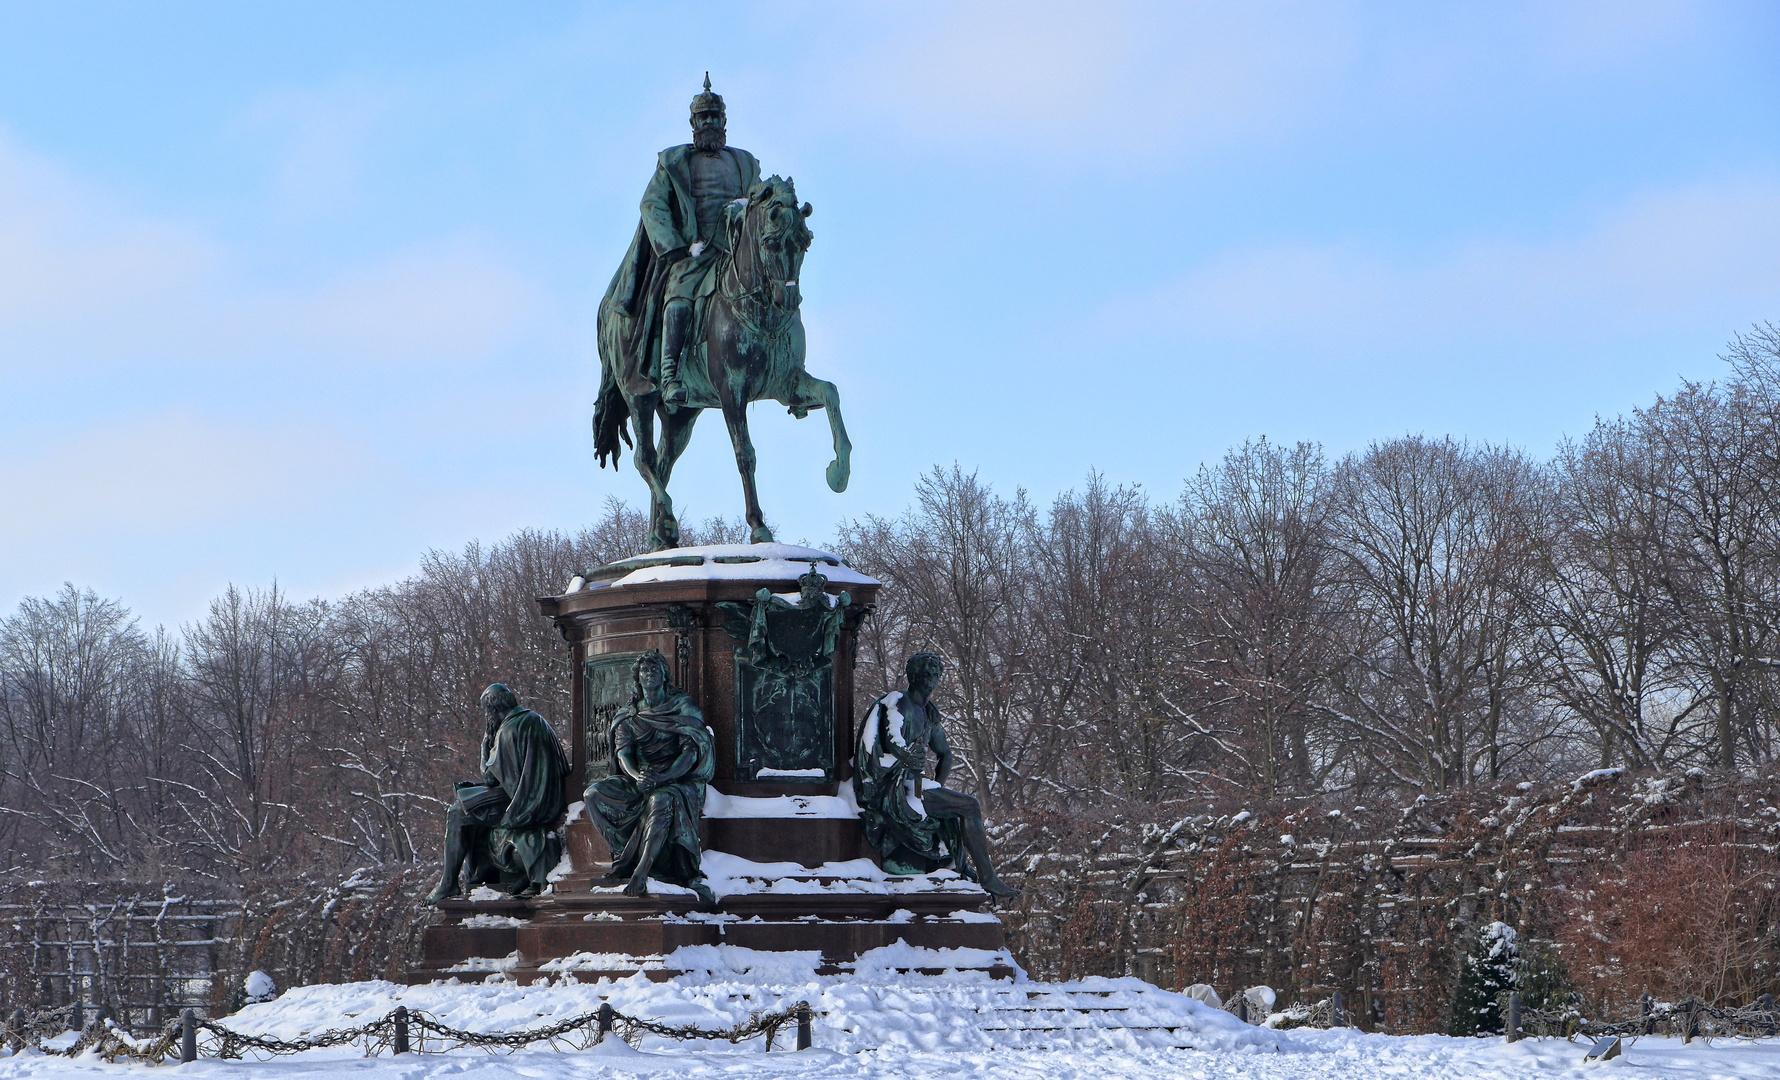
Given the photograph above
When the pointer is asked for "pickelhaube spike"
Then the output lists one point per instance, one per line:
(707, 101)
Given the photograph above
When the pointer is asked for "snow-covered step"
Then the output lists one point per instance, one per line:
(878, 1002)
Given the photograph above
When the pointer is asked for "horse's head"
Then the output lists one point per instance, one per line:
(774, 226)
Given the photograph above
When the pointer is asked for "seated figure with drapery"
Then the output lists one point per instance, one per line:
(915, 826)
(648, 808)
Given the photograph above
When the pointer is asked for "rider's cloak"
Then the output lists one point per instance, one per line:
(630, 313)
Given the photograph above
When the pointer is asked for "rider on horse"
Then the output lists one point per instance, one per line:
(668, 268)
(703, 314)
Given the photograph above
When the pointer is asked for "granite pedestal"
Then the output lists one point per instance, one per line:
(784, 847)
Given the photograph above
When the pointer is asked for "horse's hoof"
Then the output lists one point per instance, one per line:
(761, 535)
(838, 475)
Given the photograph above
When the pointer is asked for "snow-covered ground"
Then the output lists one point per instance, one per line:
(1319, 1057)
(879, 1023)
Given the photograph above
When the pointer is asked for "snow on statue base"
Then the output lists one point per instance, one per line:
(783, 847)
(591, 927)
(594, 936)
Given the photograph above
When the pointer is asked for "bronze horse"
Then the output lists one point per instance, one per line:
(747, 346)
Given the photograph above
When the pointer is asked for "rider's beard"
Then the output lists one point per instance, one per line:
(708, 139)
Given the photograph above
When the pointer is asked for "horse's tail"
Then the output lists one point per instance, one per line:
(610, 410)
(609, 416)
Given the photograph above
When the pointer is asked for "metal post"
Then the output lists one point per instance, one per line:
(605, 1019)
(15, 1029)
(401, 1015)
(1335, 1012)
(1513, 1025)
(803, 1025)
(1690, 1020)
(188, 1037)
(79, 1022)
(1645, 1006)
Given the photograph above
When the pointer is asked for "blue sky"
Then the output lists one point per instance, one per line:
(298, 291)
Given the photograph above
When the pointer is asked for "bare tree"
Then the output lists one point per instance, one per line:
(1105, 706)
(954, 568)
(1433, 542)
(1263, 613)
(1710, 447)
(68, 669)
(1600, 604)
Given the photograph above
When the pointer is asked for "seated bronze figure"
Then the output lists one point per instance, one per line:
(918, 827)
(648, 809)
(505, 830)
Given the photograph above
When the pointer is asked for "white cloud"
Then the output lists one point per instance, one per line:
(321, 137)
(1063, 79)
(1103, 75)
(88, 284)
(166, 509)
(63, 242)
(1708, 250)
(165, 473)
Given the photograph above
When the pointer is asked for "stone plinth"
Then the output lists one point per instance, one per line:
(669, 601)
(605, 933)
(785, 853)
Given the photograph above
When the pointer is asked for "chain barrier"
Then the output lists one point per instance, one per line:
(28, 1030)
(399, 1032)
(38, 1023)
(404, 1031)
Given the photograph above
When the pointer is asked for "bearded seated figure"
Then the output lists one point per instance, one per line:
(648, 808)
(917, 827)
(505, 829)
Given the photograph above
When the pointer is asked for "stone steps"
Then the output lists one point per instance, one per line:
(625, 934)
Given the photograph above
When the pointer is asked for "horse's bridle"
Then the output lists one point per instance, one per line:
(753, 306)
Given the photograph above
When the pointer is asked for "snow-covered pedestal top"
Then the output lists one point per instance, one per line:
(840, 806)
(721, 562)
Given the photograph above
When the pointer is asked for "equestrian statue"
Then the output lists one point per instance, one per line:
(703, 314)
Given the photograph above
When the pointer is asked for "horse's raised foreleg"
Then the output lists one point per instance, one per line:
(735, 415)
(664, 530)
(814, 390)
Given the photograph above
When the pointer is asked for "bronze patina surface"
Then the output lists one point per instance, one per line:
(784, 680)
(649, 804)
(504, 829)
(915, 826)
(703, 313)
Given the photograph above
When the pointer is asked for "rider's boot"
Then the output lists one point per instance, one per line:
(677, 321)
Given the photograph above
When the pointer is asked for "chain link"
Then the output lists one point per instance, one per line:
(580, 1032)
(101, 1036)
